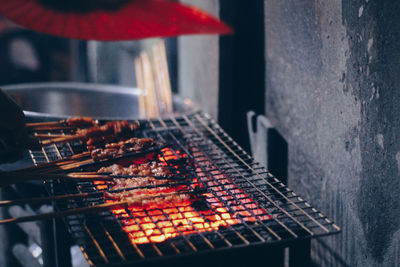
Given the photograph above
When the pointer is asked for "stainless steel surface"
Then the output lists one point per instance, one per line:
(56, 100)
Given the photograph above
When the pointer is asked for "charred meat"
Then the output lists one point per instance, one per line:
(81, 122)
(114, 150)
(152, 198)
(149, 168)
(112, 128)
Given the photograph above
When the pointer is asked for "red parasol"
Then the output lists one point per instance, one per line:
(108, 20)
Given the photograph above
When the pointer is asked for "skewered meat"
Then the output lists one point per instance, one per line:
(114, 150)
(113, 128)
(109, 131)
(153, 198)
(137, 182)
(150, 168)
(99, 142)
(72, 122)
(81, 121)
(164, 195)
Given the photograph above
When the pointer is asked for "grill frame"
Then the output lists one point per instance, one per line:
(214, 143)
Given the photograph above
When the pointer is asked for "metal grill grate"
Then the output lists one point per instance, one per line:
(244, 204)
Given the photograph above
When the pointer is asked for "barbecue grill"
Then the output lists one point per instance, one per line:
(240, 204)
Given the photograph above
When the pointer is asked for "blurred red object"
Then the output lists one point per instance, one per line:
(127, 20)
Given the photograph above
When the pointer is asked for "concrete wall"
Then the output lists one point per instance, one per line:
(198, 63)
(333, 91)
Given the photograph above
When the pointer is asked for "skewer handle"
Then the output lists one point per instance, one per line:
(54, 164)
(57, 214)
(13, 178)
(62, 139)
(49, 136)
(39, 200)
(43, 124)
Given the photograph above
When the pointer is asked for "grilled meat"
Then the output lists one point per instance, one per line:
(137, 182)
(149, 168)
(112, 128)
(114, 150)
(153, 198)
(81, 121)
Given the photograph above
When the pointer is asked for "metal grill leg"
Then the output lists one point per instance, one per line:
(300, 254)
(62, 244)
(55, 244)
(47, 238)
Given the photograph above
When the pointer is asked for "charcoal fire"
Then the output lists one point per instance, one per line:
(198, 191)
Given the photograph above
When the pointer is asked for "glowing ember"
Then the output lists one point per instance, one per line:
(165, 221)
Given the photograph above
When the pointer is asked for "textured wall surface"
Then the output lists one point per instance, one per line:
(198, 63)
(333, 91)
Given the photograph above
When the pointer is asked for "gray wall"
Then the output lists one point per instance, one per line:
(333, 91)
(198, 63)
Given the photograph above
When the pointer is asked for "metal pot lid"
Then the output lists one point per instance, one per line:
(55, 100)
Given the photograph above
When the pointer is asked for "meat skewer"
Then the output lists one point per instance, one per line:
(109, 176)
(54, 128)
(92, 162)
(47, 136)
(38, 200)
(146, 185)
(113, 172)
(72, 122)
(148, 168)
(114, 150)
(170, 199)
(112, 129)
(43, 167)
(7, 178)
(77, 161)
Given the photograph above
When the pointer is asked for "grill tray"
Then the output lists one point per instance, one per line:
(253, 206)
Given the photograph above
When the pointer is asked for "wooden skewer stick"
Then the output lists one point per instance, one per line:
(141, 86)
(77, 122)
(158, 80)
(54, 164)
(43, 124)
(13, 178)
(151, 97)
(161, 65)
(62, 139)
(39, 200)
(49, 135)
(70, 166)
(55, 128)
(91, 209)
(58, 214)
(167, 84)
